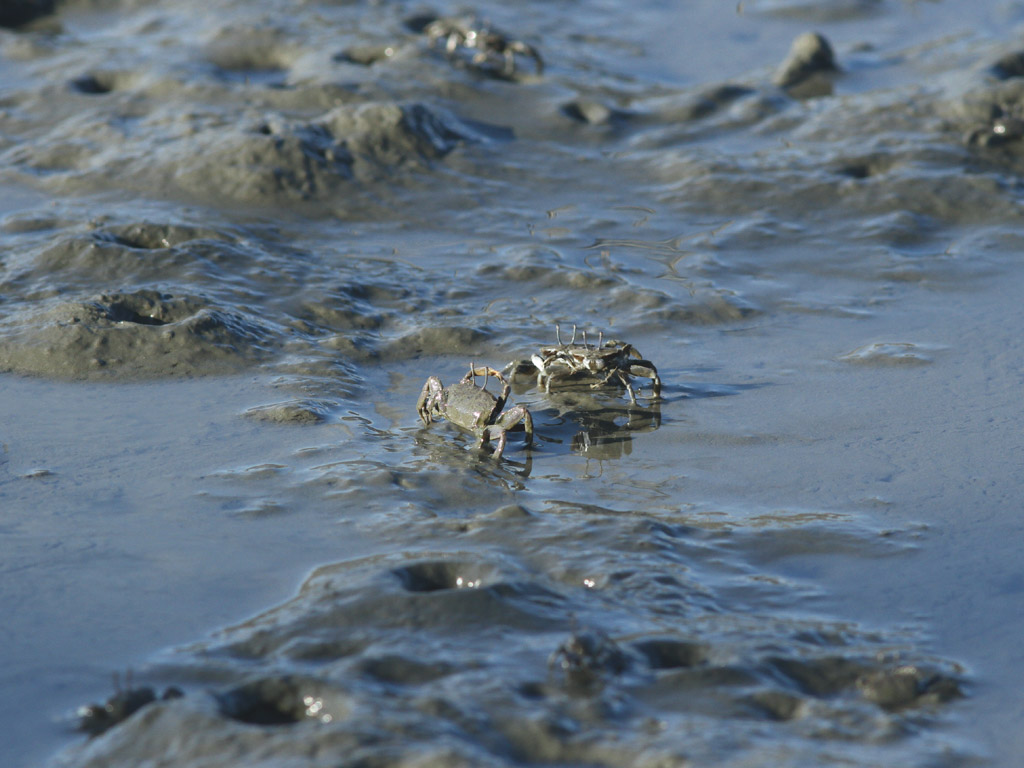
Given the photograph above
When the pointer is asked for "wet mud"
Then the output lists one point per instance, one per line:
(334, 202)
(503, 652)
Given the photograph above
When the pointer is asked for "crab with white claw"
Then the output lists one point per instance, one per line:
(610, 360)
(474, 408)
(493, 51)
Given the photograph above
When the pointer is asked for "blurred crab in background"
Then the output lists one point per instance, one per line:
(486, 49)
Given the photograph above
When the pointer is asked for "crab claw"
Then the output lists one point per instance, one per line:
(430, 397)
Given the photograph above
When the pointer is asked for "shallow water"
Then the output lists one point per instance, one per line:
(230, 255)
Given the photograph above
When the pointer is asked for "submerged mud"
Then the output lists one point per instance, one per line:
(337, 204)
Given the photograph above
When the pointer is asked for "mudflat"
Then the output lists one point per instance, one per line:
(237, 238)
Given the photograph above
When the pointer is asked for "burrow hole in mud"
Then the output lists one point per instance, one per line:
(119, 313)
(95, 83)
(436, 575)
(278, 701)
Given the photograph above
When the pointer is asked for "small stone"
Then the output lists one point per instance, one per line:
(589, 111)
(809, 56)
(888, 353)
(291, 412)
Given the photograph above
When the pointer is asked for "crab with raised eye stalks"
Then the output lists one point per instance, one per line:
(609, 361)
(489, 50)
(474, 408)
(95, 719)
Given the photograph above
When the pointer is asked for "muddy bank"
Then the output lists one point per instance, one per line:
(142, 333)
(273, 116)
(508, 655)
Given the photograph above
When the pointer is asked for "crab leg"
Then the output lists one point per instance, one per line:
(485, 437)
(426, 406)
(513, 416)
(629, 387)
(646, 369)
(483, 370)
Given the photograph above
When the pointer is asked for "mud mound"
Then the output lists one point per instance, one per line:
(143, 333)
(492, 662)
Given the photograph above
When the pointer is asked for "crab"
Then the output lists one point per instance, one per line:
(493, 51)
(608, 360)
(586, 659)
(1003, 129)
(474, 408)
(95, 719)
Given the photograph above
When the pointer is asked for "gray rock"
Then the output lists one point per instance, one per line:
(810, 58)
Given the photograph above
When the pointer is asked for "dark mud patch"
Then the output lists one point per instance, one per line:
(97, 83)
(1009, 65)
(15, 13)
